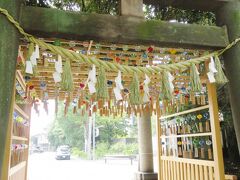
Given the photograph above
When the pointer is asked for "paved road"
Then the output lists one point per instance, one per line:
(45, 167)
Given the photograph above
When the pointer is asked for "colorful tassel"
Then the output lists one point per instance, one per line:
(102, 90)
(219, 76)
(195, 81)
(134, 91)
(67, 78)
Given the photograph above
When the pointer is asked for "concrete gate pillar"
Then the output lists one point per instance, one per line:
(229, 15)
(146, 170)
(9, 41)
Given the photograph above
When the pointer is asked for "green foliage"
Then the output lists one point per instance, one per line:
(77, 152)
(103, 149)
(186, 16)
(67, 129)
(111, 7)
(122, 148)
(111, 128)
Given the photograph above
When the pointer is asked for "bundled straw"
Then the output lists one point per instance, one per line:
(166, 93)
(134, 90)
(196, 84)
(67, 78)
(30, 51)
(219, 76)
(102, 90)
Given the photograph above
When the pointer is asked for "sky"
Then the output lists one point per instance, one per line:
(42, 123)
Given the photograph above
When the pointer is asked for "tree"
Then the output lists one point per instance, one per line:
(67, 129)
(112, 7)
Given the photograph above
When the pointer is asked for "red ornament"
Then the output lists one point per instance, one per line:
(141, 87)
(176, 91)
(82, 85)
(117, 59)
(150, 49)
(31, 87)
(71, 49)
(19, 59)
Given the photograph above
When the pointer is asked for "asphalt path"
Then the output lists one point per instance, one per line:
(44, 166)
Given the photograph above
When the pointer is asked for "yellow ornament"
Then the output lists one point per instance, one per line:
(199, 116)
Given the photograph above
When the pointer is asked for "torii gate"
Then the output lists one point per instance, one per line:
(130, 27)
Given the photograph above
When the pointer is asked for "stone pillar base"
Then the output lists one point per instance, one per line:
(146, 176)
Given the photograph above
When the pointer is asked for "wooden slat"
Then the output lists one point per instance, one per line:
(187, 135)
(192, 171)
(181, 170)
(17, 168)
(188, 171)
(201, 172)
(178, 171)
(185, 171)
(175, 170)
(21, 111)
(210, 171)
(205, 172)
(196, 172)
(186, 112)
(19, 138)
(169, 170)
(166, 170)
(190, 161)
(230, 177)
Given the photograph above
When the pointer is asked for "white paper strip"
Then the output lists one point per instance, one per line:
(118, 81)
(57, 77)
(117, 93)
(91, 87)
(212, 66)
(29, 68)
(211, 77)
(33, 59)
(37, 54)
(146, 95)
(58, 64)
(170, 79)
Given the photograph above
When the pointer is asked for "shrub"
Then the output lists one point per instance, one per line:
(77, 152)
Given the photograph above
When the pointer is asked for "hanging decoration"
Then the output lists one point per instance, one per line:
(134, 91)
(219, 76)
(67, 78)
(146, 96)
(119, 87)
(195, 82)
(102, 90)
(212, 71)
(92, 80)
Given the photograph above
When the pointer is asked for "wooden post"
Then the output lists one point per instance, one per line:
(9, 41)
(216, 136)
(229, 15)
(159, 144)
(28, 110)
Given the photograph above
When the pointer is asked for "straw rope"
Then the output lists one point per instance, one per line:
(70, 55)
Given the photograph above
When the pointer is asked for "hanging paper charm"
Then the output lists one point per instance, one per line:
(212, 71)
(146, 96)
(119, 87)
(92, 80)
